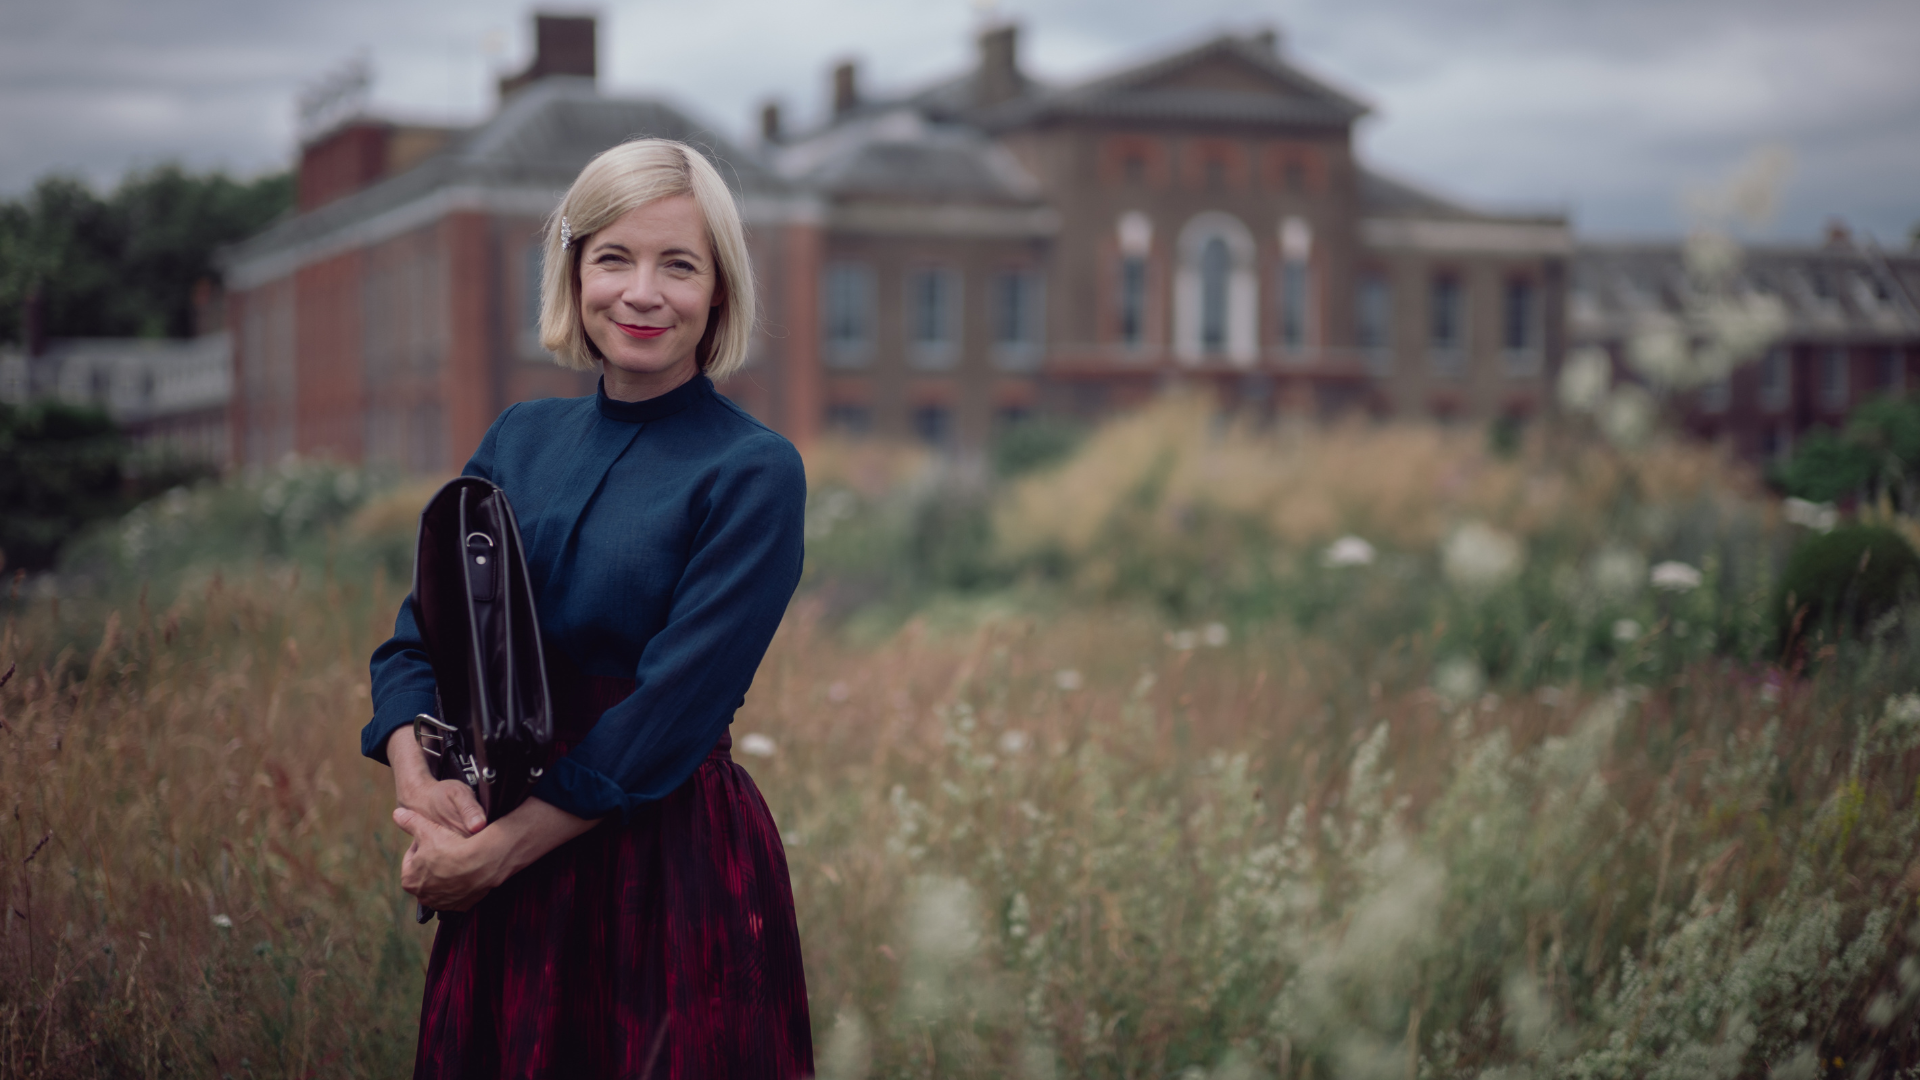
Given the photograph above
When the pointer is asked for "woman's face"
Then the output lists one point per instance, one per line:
(647, 288)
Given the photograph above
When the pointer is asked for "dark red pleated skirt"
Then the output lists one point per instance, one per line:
(664, 948)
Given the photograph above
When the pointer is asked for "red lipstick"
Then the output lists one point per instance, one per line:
(642, 332)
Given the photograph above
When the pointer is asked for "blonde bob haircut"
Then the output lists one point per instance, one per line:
(627, 176)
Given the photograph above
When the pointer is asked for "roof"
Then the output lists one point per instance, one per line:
(1228, 79)
(902, 155)
(530, 151)
(1839, 292)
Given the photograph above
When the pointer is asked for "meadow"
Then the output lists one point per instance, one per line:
(1197, 751)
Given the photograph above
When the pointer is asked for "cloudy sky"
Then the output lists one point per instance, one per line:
(1610, 111)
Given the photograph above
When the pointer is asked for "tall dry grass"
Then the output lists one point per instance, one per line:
(1067, 831)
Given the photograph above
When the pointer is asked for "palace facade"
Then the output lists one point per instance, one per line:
(933, 265)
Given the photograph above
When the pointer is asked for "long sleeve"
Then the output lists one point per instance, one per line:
(743, 563)
(402, 675)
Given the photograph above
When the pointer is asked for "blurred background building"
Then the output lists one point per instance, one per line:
(939, 264)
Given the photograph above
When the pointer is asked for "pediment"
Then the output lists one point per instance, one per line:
(1219, 72)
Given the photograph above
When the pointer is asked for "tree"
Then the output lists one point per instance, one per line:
(125, 265)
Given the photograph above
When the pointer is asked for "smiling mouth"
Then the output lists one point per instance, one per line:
(641, 331)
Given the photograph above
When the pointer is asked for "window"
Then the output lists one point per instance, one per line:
(1833, 379)
(1373, 323)
(854, 420)
(933, 304)
(1893, 373)
(1296, 283)
(1774, 390)
(1018, 314)
(1216, 265)
(1293, 304)
(1519, 320)
(1519, 330)
(1446, 337)
(934, 425)
(848, 298)
(1133, 300)
(1216, 291)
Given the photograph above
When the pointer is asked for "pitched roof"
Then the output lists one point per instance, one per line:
(1842, 292)
(902, 155)
(535, 146)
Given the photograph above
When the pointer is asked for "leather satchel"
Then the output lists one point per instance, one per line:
(473, 602)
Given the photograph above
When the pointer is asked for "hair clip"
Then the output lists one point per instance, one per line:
(566, 235)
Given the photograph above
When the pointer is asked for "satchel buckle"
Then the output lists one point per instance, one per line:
(433, 742)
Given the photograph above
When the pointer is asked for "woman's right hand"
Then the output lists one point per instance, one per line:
(447, 802)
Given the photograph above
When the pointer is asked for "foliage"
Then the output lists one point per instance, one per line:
(124, 265)
(314, 514)
(1032, 444)
(63, 467)
(1844, 581)
(1507, 789)
(1878, 455)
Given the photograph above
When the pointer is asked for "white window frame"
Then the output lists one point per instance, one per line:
(940, 353)
(857, 278)
(1022, 351)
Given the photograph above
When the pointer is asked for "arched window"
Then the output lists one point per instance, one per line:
(1216, 266)
(1216, 291)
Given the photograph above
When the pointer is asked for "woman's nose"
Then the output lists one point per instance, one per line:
(643, 288)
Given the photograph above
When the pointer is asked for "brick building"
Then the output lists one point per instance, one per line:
(934, 264)
(1852, 331)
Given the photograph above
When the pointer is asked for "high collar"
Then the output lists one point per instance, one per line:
(653, 408)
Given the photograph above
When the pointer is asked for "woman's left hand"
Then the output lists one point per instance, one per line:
(443, 869)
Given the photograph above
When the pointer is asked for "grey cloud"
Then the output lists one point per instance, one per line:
(1608, 110)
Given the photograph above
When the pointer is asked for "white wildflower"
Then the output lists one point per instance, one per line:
(1628, 416)
(224, 922)
(1458, 679)
(1820, 517)
(1626, 630)
(848, 1053)
(1659, 350)
(1585, 379)
(1013, 741)
(1348, 551)
(1068, 679)
(1215, 635)
(757, 745)
(1478, 556)
(1618, 572)
(1674, 577)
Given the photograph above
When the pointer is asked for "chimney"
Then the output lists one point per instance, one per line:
(563, 45)
(770, 122)
(998, 79)
(1268, 39)
(34, 323)
(1838, 235)
(846, 95)
(341, 162)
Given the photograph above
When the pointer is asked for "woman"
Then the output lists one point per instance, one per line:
(634, 917)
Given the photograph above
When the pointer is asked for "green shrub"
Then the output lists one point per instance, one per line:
(1033, 444)
(1841, 581)
(1827, 468)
